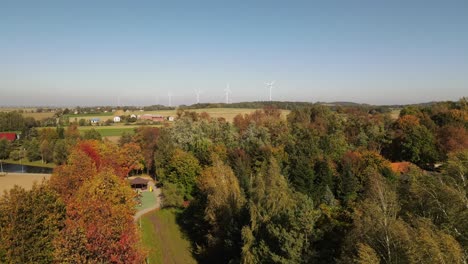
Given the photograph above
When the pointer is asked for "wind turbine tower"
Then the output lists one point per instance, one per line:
(270, 85)
(227, 91)
(198, 92)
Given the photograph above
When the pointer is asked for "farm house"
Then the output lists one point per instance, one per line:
(157, 118)
(116, 119)
(95, 120)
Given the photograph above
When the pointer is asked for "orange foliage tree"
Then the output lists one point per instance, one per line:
(100, 205)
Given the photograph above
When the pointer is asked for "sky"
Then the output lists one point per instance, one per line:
(69, 53)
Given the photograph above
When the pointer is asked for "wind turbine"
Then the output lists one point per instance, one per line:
(198, 92)
(270, 85)
(169, 94)
(227, 91)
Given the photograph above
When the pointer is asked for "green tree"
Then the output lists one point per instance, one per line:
(47, 151)
(92, 134)
(60, 153)
(281, 221)
(224, 201)
(183, 169)
(29, 223)
(33, 151)
(5, 148)
(173, 195)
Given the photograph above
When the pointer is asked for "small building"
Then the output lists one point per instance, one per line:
(116, 119)
(170, 118)
(10, 136)
(156, 118)
(95, 120)
(133, 116)
(139, 183)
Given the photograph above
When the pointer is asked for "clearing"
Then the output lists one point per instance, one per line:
(164, 239)
(25, 180)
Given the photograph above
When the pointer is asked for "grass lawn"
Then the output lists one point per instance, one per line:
(36, 163)
(147, 200)
(164, 239)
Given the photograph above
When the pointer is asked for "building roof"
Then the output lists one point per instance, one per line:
(138, 180)
(10, 136)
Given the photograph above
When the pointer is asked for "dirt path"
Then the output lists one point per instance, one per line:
(157, 205)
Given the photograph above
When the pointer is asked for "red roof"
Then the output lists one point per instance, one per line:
(9, 136)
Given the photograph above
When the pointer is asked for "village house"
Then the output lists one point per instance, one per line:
(116, 119)
(156, 118)
(95, 120)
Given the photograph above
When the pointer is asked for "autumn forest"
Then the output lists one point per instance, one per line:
(343, 184)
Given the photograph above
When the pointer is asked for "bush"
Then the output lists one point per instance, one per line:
(15, 155)
(173, 195)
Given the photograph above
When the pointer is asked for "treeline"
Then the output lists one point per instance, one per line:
(255, 105)
(292, 105)
(83, 214)
(319, 187)
(14, 121)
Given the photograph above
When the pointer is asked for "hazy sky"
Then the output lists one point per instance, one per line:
(92, 52)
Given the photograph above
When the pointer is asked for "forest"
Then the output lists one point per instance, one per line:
(324, 185)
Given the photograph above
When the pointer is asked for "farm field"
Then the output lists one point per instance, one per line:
(163, 238)
(227, 113)
(25, 180)
(28, 112)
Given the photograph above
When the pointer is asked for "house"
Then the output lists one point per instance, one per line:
(10, 136)
(156, 118)
(95, 120)
(116, 119)
(170, 118)
(133, 116)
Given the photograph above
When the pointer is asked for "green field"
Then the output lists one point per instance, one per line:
(36, 163)
(147, 200)
(162, 237)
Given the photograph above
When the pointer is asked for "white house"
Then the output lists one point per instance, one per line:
(133, 116)
(170, 118)
(116, 119)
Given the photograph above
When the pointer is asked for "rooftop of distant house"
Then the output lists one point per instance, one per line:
(10, 136)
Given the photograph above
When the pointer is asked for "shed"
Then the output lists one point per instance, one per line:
(139, 183)
(116, 119)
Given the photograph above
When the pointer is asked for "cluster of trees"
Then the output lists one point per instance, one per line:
(319, 186)
(315, 187)
(83, 214)
(14, 121)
